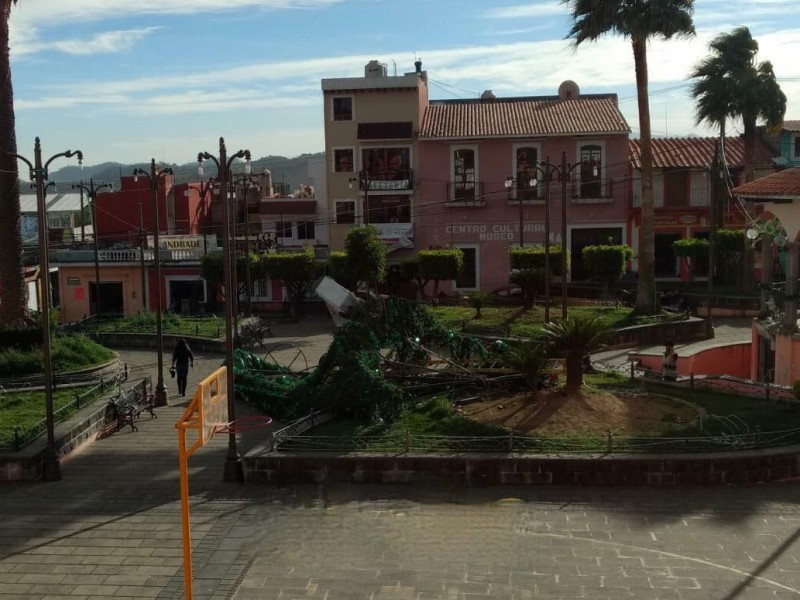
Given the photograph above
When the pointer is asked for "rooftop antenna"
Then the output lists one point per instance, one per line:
(394, 62)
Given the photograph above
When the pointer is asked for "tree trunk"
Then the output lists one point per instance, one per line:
(12, 282)
(574, 365)
(646, 300)
(749, 263)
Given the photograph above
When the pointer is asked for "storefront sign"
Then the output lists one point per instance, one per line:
(73, 280)
(185, 242)
(497, 231)
(394, 230)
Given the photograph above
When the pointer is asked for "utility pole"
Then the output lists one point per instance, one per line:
(145, 303)
(714, 203)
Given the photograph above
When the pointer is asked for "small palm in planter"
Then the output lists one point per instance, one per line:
(477, 300)
(529, 358)
(576, 337)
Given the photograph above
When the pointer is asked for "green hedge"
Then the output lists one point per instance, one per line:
(533, 258)
(606, 262)
(70, 352)
(20, 338)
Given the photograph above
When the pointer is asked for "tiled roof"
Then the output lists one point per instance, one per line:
(783, 184)
(696, 152)
(522, 117)
(791, 125)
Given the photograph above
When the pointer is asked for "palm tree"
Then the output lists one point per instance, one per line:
(12, 283)
(576, 337)
(731, 84)
(639, 20)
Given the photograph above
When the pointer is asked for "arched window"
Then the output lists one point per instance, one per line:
(591, 157)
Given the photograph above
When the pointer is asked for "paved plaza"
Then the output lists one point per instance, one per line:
(111, 529)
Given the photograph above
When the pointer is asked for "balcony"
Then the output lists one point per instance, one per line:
(598, 192)
(127, 255)
(695, 198)
(465, 193)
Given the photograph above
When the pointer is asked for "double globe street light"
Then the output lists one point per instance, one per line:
(153, 178)
(91, 191)
(51, 465)
(233, 462)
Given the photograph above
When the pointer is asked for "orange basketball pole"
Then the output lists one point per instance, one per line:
(187, 532)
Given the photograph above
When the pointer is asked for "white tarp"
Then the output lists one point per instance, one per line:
(337, 298)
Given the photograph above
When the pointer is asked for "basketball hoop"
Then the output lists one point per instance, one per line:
(245, 424)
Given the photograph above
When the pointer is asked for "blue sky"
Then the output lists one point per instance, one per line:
(127, 80)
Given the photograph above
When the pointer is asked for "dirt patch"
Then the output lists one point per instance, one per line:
(583, 411)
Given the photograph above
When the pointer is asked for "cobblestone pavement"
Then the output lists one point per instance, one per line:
(111, 529)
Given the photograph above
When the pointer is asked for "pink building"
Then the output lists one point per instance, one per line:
(468, 149)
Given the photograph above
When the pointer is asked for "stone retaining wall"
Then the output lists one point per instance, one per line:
(491, 469)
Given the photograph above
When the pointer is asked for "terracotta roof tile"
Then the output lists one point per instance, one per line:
(696, 152)
(523, 117)
(783, 184)
(791, 125)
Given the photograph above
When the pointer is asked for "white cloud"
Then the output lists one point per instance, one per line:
(538, 10)
(106, 42)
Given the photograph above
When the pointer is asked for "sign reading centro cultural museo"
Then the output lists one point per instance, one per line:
(185, 242)
(484, 232)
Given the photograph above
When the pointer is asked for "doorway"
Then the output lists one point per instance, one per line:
(594, 236)
(666, 262)
(186, 295)
(111, 298)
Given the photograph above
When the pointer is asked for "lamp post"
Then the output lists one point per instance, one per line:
(247, 183)
(233, 462)
(91, 191)
(363, 182)
(153, 178)
(51, 466)
(563, 173)
(510, 183)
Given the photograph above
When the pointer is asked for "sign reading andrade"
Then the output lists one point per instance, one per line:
(185, 242)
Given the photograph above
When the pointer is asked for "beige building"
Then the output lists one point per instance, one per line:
(371, 128)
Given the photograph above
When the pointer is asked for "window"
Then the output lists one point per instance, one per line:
(464, 174)
(390, 209)
(260, 289)
(590, 171)
(526, 158)
(305, 230)
(797, 146)
(283, 229)
(345, 212)
(343, 108)
(343, 160)
(676, 187)
(468, 280)
(387, 168)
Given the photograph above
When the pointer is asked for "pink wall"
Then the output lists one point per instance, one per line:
(494, 226)
(731, 359)
(787, 359)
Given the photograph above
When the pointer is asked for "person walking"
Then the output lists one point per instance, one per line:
(182, 359)
(669, 370)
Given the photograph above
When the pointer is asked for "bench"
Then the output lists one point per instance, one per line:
(254, 330)
(128, 405)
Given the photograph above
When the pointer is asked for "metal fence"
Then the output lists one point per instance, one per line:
(21, 437)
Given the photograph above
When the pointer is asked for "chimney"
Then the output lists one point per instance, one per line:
(418, 65)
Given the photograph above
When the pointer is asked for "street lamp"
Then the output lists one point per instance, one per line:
(247, 183)
(363, 182)
(510, 183)
(153, 178)
(51, 466)
(563, 173)
(91, 192)
(233, 462)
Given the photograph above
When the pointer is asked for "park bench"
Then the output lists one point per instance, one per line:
(254, 330)
(128, 405)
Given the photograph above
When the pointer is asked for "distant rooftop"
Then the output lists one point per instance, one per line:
(791, 126)
(783, 185)
(55, 202)
(697, 152)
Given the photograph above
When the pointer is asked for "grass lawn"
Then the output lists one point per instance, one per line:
(528, 324)
(208, 327)
(70, 352)
(23, 410)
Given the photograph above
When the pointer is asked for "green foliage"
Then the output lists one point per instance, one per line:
(338, 268)
(70, 352)
(145, 322)
(690, 247)
(297, 270)
(212, 271)
(211, 267)
(532, 257)
(576, 337)
(530, 282)
(529, 358)
(440, 265)
(729, 253)
(477, 300)
(20, 337)
(366, 255)
(606, 262)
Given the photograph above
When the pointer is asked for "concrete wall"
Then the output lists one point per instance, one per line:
(731, 359)
(787, 359)
(490, 469)
(74, 282)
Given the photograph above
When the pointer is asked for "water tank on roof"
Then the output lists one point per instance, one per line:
(569, 90)
(375, 69)
(488, 95)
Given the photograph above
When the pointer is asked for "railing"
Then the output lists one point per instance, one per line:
(465, 193)
(696, 197)
(602, 190)
(24, 436)
(403, 180)
(130, 255)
